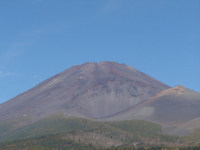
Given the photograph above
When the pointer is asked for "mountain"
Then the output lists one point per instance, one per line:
(176, 109)
(91, 90)
(95, 101)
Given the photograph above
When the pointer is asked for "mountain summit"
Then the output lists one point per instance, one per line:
(91, 90)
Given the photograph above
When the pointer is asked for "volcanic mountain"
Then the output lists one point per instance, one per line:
(101, 104)
(91, 90)
(106, 91)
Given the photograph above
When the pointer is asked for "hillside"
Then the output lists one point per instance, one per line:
(176, 109)
(58, 124)
(58, 131)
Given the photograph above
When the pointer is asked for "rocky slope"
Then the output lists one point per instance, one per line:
(176, 109)
(91, 90)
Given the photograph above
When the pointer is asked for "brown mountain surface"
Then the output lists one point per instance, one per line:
(91, 90)
(177, 109)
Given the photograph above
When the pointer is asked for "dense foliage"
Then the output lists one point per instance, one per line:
(55, 143)
(59, 124)
(59, 133)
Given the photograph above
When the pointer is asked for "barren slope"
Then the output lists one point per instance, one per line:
(93, 90)
(177, 109)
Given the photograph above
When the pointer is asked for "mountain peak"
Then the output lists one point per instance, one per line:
(174, 90)
(110, 71)
(94, 90)
(179, 89)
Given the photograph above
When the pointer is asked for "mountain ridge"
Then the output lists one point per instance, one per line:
(176, 109)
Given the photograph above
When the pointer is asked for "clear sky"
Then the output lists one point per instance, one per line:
(40, 38)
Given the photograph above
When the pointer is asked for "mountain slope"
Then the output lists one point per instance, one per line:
(86, 131)
(176, 109)
(91, 90)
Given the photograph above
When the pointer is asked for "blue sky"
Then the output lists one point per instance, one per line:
(40, 38)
